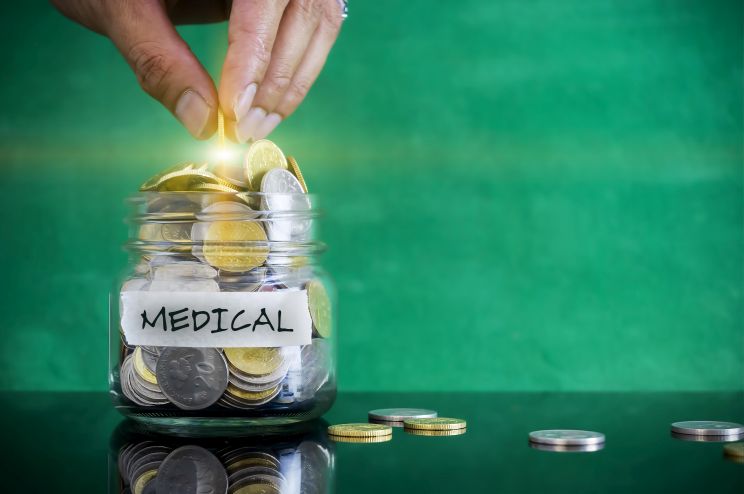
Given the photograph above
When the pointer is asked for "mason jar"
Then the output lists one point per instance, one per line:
(224, 316)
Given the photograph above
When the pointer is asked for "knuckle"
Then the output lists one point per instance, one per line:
(332, 15)
(307, 9)
(151, 66)
(297, 91)
(277, 85)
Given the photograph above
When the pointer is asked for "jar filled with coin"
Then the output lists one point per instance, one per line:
(224, 316)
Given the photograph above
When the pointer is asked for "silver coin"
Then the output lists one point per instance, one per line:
(283, 193)
(707, 428)
(562, 448)
(191, 470)
(315, 461)
(567, 437)
(192, 378)
(700, 438)
(400, 414)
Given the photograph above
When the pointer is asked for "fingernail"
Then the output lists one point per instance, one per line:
(244, 102)
(193, 112)
(247, 126)
(267, 125)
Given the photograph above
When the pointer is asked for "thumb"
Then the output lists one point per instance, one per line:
(164, 65)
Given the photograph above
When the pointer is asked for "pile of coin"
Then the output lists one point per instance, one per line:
(151, 466)
(211, 229)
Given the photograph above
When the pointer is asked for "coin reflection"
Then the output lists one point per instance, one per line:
(295, 461)
(563, 448)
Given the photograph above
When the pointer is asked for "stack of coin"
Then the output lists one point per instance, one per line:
(437, 426)
(208, 229)
(395, 417)
(360, 433)
(138, 465)
(138, 380)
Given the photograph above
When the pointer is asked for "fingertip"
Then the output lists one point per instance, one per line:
(194, 113)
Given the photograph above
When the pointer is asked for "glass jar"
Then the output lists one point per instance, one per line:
(224, 317)
(299, 461)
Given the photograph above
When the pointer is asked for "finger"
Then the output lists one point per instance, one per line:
(306, 74)
(298, 25)
(251, 34)
(164, 65)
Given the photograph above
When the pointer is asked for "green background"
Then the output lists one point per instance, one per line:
(519, 195)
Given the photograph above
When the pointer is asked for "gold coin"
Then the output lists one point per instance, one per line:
(251, 395)
(359, 430)
(423, 432)
(255, 361)
(435, 424)
(141, 368)
(261, 487)
(218, 187)
(320, 307)
(261, 157)
(362, 440)
(734, 449)
(242, 463)
(185, 181)
(143, 480)
(152, 182)
(224, 245)
(295, 169)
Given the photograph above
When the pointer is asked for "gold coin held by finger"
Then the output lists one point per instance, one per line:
(235, 246)
(261, 157)
(295, 169)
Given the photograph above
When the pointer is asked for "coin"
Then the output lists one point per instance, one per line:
(320, 307)
(255, 361)
(424, 432)
(562, 448)
(435, 424)
(143, 480)
(252, 396)
(295, 168)
(566, 437)
(283, 194)
(191, 470)
(361, 440)
(400, 414)
(359, 430)
(258, 488)
(262, 156)
(700, 438)
(185, 180)
(707, 428)
(218, 187)
(142, 369)
(192, 378)
(735, 449)
(235, 246)
(152, 182)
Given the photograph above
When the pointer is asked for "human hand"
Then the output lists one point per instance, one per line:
(276, 49)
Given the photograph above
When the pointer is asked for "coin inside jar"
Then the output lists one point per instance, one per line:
(255, 361)
(192, 378)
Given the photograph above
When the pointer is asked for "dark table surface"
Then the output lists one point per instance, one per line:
(62, 442)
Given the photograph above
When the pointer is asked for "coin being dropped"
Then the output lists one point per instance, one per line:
(295, 168)
(435, 424)
(192, 378)
(707, 428)
(400, 414)
(191, 470)
(359, 430)
(567, 437)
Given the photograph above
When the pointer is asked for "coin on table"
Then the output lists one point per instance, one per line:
(400, 414)
(255, 361)
(235, 246)
(361, 440)
(735, 449)
(262, 156)
(707, 428)
(320, 307)
(192, 378)
(435, 424)
(424, 432)
(295, 168)
(191, 470)
(567, 437)
(561, 448)
(359, 430)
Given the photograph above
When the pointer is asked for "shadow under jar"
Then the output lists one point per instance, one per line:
(224, 317)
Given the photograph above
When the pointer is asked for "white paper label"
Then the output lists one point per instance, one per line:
(221, 319)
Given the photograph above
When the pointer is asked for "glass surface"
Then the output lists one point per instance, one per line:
(63, 440)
